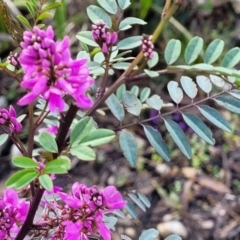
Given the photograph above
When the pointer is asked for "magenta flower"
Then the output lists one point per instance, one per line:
(9, 119)
(12, 213)
(103, 36)
(50, 72)
(112, 198)
(85, 209)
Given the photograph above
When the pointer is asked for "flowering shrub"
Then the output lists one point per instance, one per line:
(62, 93)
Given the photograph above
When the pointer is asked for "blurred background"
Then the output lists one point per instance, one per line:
(198, 199)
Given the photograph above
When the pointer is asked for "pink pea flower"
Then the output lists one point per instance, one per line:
(85, 208)
(112, 198)
(12, 213)
(9, 118)
(50, 72)
(103, 36)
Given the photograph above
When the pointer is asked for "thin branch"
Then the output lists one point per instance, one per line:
(171, 112)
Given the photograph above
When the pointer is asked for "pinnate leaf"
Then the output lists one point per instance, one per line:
(204, 83)
(131, 210)
(132, 103)
(16, 176)
(80, 130)
(145, 200)
(189, 86)
(172, 51)
(96, 13)
(155, 139)
(127, 23)
(109, 5)
(123, 4)
(215, 117)
(229, 103)
(151, 74)
(137, 201)
(193, 49)
(155, 102)
(213, 51)
(86, 37)
(48, 142)
(115, 106)
(24, 162)
(83, 153)
(129, 147)
(97, 137)
(46, 182)
(199, 127)
(145, 94)
(179, 137)
(149, 234)
(173, 237)
(26, 179)
(231, 58)
(129, 43)
(152, 62)
(175, 92)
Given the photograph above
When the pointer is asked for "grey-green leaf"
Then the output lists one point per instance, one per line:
(145, 200)
(172, 51)
(193, 49)
(48, 142)
(216, 80)
(204, 83)
(129, 43)
(115, 106)
(213, 51)
(135, 90)
(120, 91)
(229, 103)
(80, 130)
(86, 37)
(179, 137)
(131, 210)
(96, 13)
(215, 117)
(175, 92)
(109, 5)
(152, 62)
(3, 138)
(199, 127)
(231, 58)
(151, 74)
(127, 23)
(129, 147)
(173, 237)
(137, 201)
(155, 139)
(235, 93)
(189, 86)
(145, 94)
(132, 103)
(149, 234)
(123, 4)
(155, 102)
